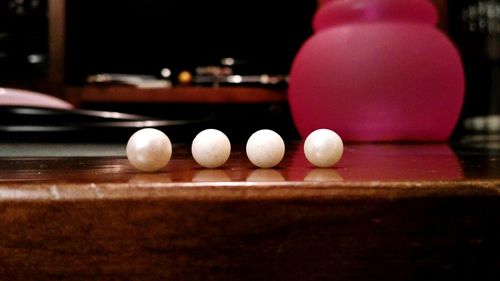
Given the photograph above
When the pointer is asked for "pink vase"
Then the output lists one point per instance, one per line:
(377, 70)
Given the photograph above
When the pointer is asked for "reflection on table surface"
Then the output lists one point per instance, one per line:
(107, 163)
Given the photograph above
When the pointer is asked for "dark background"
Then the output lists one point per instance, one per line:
(145, 36)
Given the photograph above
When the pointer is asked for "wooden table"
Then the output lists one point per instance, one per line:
(178, 94)
(385, 212)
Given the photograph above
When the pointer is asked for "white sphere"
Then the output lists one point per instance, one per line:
(211, 148)
(149, 150)
(323, 148)
(265, 148)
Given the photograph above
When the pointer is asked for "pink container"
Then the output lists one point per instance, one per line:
(377, 70)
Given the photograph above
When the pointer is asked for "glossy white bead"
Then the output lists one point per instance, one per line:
(211, 148)
(149, 150)
(265, 148)
(323, 148)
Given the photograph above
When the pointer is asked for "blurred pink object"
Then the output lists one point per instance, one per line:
(16, 97)
(377, 70)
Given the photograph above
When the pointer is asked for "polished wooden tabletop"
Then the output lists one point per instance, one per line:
(384, 212)
(384, 169)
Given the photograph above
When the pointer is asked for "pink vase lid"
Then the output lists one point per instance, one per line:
(341, 11)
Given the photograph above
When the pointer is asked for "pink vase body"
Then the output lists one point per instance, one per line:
(377, 70)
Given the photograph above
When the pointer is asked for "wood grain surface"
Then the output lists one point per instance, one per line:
(188, 94)
(385, 212)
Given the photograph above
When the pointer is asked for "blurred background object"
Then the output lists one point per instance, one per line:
(128, 36)
(23, 39)
(17, 97)
(377, 70)
(54, 46)
(475, 27)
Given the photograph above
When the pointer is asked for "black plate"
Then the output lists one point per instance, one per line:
(48, 124)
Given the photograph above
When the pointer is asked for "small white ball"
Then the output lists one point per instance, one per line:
(323, 148)
(211, 148)
(265, 148)
(149, 150)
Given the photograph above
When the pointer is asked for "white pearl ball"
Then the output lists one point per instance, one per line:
(211, 148)
(149, 150)
(265, 148)
(323, 148)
